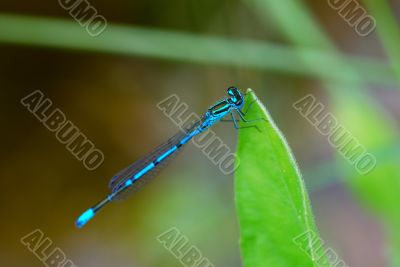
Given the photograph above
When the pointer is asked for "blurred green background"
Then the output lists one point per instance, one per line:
(109, 87)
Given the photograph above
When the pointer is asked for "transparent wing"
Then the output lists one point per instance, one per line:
(119, 179)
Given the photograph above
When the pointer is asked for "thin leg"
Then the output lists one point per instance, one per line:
(237, 127)
(234, 120)
(249, 106)
(231, 120)
(242, 116)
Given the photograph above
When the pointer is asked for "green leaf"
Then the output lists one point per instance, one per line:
(271, 199)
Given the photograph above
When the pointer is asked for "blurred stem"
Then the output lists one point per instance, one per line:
(388, 30)
(292, 16)
(186, 47)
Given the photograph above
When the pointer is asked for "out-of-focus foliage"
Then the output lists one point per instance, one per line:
(180, 46)
(379, 188)
(356, 110)
(388, 30)
(109, 86)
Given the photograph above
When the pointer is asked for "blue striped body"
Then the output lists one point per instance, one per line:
(146, 167)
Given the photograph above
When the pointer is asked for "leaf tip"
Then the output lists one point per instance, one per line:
(249, 91)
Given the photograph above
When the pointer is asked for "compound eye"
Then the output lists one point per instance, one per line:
(231, 91)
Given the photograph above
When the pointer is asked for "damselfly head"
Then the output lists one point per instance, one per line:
(236, 96)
